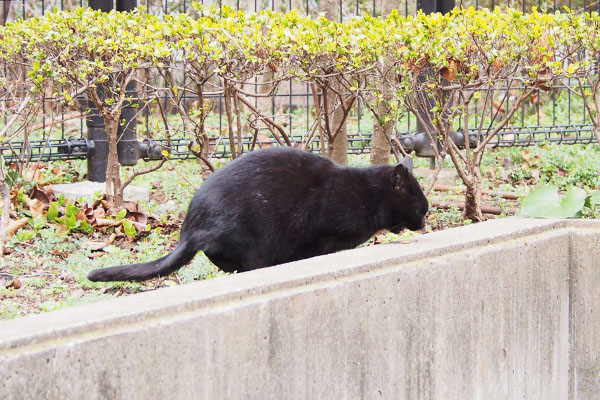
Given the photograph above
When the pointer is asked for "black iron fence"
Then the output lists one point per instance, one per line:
(551, 117)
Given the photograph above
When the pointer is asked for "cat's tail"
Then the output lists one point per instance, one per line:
(181, 255)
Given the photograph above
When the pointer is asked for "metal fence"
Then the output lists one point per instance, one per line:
(556, 116)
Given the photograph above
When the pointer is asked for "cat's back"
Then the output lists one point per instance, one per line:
(274, 160)
(275, 174)
(284, 166)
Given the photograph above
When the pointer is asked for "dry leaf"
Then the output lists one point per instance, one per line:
(41, 195)
(15, 284)
(89, 213)
(498, 64)
(449, 72)
(81, 215)
(95, 245)
(138, 217)
(103, 222)
(138, 226)
(14, 226)
(36, 207)
(99, 213)
(131, 206)
(562, 172)
(273, 66)
(544, 75)
(59, 253)
(546, 88)
(33, 172)
(61, 228)
(14, 194)
(498, 107)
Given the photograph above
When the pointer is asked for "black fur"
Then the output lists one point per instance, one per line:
(281, 204)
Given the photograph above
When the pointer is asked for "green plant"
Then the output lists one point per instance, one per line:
(443, 67)
(38, 223)
(544, 202)
(129, 228)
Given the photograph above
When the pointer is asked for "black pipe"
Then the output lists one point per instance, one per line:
(430, 7)
(97, 155)
(102, 5)
(97, 158)
(128, 146)
(126, 5)
(433, 6)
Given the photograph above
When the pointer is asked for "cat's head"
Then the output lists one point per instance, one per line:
(409, 204)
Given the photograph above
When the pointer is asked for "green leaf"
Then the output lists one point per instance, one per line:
(595, 197)
(544, 202)
(572, 203)
(71, 210)
(21, 196)
(52, 211)
(37, 223)
(129, 228)
(121, 215)
(11, 177)
(24, 235)
(86, 227)
(71, 223)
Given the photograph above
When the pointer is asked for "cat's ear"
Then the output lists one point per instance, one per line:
(402, 171)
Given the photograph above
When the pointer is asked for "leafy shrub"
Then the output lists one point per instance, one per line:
(441, 67)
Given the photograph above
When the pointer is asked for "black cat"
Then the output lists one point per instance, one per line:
(282, 204)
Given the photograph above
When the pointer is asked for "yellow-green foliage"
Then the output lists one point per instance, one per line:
(69, 50)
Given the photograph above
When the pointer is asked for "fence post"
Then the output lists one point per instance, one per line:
(430, 7)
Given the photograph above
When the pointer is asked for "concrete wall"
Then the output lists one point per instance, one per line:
(585, 314)
(506, 309)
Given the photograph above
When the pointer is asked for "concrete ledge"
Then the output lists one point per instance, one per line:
(88, 191)
(499, 310)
